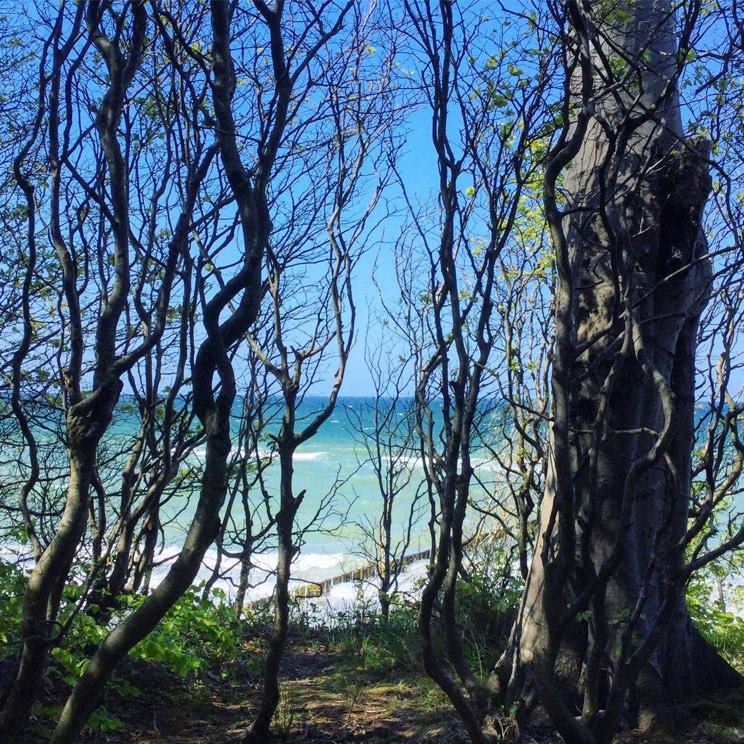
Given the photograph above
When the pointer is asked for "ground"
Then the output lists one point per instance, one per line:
(328, 695)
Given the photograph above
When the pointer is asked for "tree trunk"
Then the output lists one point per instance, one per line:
(289, 504)
(47, 580)
(88, 690)
(603, 618)
(42, 598)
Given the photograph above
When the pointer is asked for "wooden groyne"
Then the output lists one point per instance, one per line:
(370, 571)
(312, 589)
(319, 588)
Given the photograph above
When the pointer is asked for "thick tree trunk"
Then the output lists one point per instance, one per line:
(632, 285)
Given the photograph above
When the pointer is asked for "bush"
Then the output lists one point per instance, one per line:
(723, 629)
(487, 604)
(12, 586)
(196, 634)
(361, 634)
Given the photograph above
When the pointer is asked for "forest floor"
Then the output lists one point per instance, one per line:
(327, 695)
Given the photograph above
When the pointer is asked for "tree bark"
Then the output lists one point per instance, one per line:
(603, 618)
(88, 690)
(44, 590)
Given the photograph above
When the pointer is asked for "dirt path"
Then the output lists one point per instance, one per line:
(326, 697)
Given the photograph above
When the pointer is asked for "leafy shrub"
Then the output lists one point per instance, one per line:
(487, 604)
(723, 629)
(368, 642)
(197, 633)
(394, 644)
(12, 586)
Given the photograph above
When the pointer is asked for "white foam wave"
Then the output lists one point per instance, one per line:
(305, 456)
(306, 568)
(200, 453)
(347, 596)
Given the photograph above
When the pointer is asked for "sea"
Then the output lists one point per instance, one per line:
(340, 511)
(341, 507)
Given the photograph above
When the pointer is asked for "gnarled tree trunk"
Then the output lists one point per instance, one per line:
(603, 622)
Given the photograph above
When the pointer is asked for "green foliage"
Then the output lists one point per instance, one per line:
(196, 634)
(12, 585)
(368, 642)
(487, 604)
(102, 720)
(723, 629)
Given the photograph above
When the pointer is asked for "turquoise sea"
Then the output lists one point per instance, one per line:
(342, 503)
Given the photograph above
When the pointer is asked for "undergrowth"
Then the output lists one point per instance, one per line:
(203, 641)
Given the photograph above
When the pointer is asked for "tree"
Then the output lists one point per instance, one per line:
(385, 432)
(247, 522)
(487, 115)
(309, 291)
(88, 184)
(516, 432)
(603, 619)
(231, 307)
(623, 197)
(186, 170)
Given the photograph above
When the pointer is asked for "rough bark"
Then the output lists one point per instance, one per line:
(603, 615)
